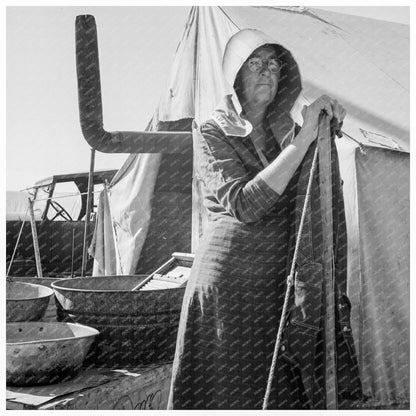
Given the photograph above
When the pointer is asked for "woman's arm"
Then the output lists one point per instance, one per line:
(278, 174)
(226, 177)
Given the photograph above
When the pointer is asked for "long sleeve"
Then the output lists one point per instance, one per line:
(226, 177)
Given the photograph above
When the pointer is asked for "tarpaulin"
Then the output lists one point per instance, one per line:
(121, 230)
(103, 245)
(376, 187)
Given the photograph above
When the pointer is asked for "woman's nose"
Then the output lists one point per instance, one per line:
(264, 70)
(264, 66)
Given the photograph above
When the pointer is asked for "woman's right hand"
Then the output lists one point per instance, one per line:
(312, 112)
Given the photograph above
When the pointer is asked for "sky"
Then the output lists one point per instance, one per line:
(136, 47)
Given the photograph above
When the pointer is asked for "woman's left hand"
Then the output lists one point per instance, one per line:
(338, 111)
(338, 115)
(331, 106)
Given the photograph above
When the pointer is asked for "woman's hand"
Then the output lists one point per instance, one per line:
(279, 173)
(311, 114)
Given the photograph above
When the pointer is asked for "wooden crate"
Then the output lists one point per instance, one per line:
(140, 389)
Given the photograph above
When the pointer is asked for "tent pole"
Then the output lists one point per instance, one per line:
(325, 186)
(35, 239)
(87, 213)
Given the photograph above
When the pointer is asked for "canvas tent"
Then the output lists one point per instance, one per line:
(364, 63)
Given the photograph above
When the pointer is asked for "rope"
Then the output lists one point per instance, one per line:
(360, 145)
(65, 196)
(289, 282)
(15, 247)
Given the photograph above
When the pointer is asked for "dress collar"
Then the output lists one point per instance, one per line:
(228, 115)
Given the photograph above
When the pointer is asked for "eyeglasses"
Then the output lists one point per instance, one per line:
(273, 64)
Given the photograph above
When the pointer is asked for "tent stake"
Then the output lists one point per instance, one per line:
(87, 213)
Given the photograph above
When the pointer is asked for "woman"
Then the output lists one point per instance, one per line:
(248, 157)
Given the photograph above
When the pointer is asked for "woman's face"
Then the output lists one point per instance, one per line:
(259, 87)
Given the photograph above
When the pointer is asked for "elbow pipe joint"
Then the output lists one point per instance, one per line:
(90, 105)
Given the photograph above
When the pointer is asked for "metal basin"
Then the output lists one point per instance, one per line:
(45, 352)
(50, 314)
(136, 328)
(26, 301)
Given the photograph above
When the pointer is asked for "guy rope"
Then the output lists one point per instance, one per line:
(324, 149)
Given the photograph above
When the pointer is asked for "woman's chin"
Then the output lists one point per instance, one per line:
(263, 100)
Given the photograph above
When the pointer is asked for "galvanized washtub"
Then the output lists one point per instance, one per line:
(45, 352)
(50, 314)
(26, 301)
(136, 327)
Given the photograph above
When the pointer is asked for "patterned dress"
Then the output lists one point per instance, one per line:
(234, 296)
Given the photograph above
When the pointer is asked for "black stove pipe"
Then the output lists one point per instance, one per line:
(90, 105)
